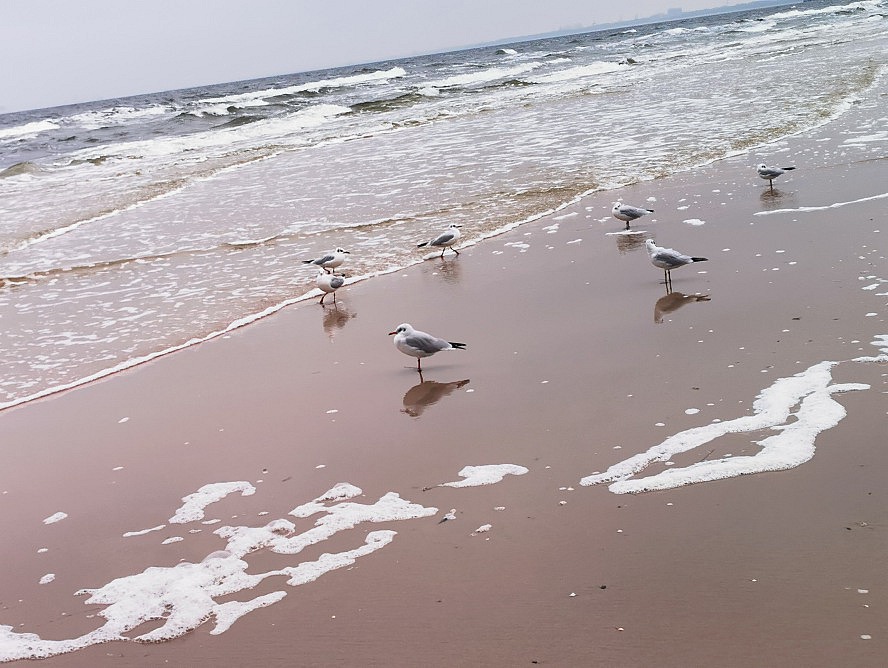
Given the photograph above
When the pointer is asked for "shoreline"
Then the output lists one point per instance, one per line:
(566, 373)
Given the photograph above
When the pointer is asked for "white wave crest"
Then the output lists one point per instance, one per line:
(33, 128)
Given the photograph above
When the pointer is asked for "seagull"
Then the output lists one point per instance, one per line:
(771, 173)
(329, 283)
(668, 259)
(444, 240)
(628, 213)
(419, 344)
(330, 260)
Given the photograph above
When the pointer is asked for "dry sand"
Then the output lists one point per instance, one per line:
(571, 368)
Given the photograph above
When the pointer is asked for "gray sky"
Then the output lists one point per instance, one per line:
(62, 51)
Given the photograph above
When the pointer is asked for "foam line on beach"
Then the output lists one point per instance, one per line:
(825, 207)
(136, 361)
(811, 390)
(183, 597)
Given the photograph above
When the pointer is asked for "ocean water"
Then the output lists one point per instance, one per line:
(133, 227)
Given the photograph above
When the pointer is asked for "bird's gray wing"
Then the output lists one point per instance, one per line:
(337, 282)
(442, 239)
(670, 257)
(324, 259)
(632, 211)
(426, 343)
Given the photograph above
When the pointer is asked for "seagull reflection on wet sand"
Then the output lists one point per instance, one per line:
(626, 243)
(427, 393)
(335, 317)
(448, 269)
(774, 199)
(672, 301)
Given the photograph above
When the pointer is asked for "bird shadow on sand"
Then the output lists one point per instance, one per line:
(672, 301)
(447, 269)
(776, 199)
(336, 316)
(628, 242)
(427, 393)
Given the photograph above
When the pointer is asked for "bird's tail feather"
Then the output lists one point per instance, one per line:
(787, 169)
(458, 346)
(699, 259)
(424, 243)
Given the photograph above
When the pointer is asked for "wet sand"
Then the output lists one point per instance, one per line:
(577, 358)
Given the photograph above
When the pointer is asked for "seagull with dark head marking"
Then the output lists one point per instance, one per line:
(329, 260)
(444, 240)
(771, 173)
(329, 283)
(628, 213)
(419, 344)
(668, 259)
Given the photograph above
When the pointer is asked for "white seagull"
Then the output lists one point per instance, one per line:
(771, 173)
(329, 260)
(419, 344)
(444, 240)
(329, 283)
(668, 259)
(628, 213)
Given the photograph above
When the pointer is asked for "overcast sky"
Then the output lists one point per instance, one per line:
(57, 52)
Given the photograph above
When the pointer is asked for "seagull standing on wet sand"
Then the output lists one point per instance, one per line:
(771, 173)
(444, 240)
(628, 213)
(419, 344)
(329, 260)
(329, 283)
(668, 259)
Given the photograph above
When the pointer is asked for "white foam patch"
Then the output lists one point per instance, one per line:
(810, 390)
(183, 597)
(193, 508)
(880, 342)
(130, 534)
(46, 579)
(485, 475)
(55, 517)
(834, 205)
(694, 221)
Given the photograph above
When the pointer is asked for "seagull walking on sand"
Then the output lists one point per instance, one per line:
(329, 283)
(444, 240)
(771, 173)
(628, 213)
(668, 259)
(419, 344)
(329, 260)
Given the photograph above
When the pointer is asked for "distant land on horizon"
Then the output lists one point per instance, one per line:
(676, 14)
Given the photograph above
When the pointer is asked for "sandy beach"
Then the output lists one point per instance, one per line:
(577, 359)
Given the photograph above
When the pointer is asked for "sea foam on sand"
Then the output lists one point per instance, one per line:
(485, 475)
(793, 445)
(183, 596)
